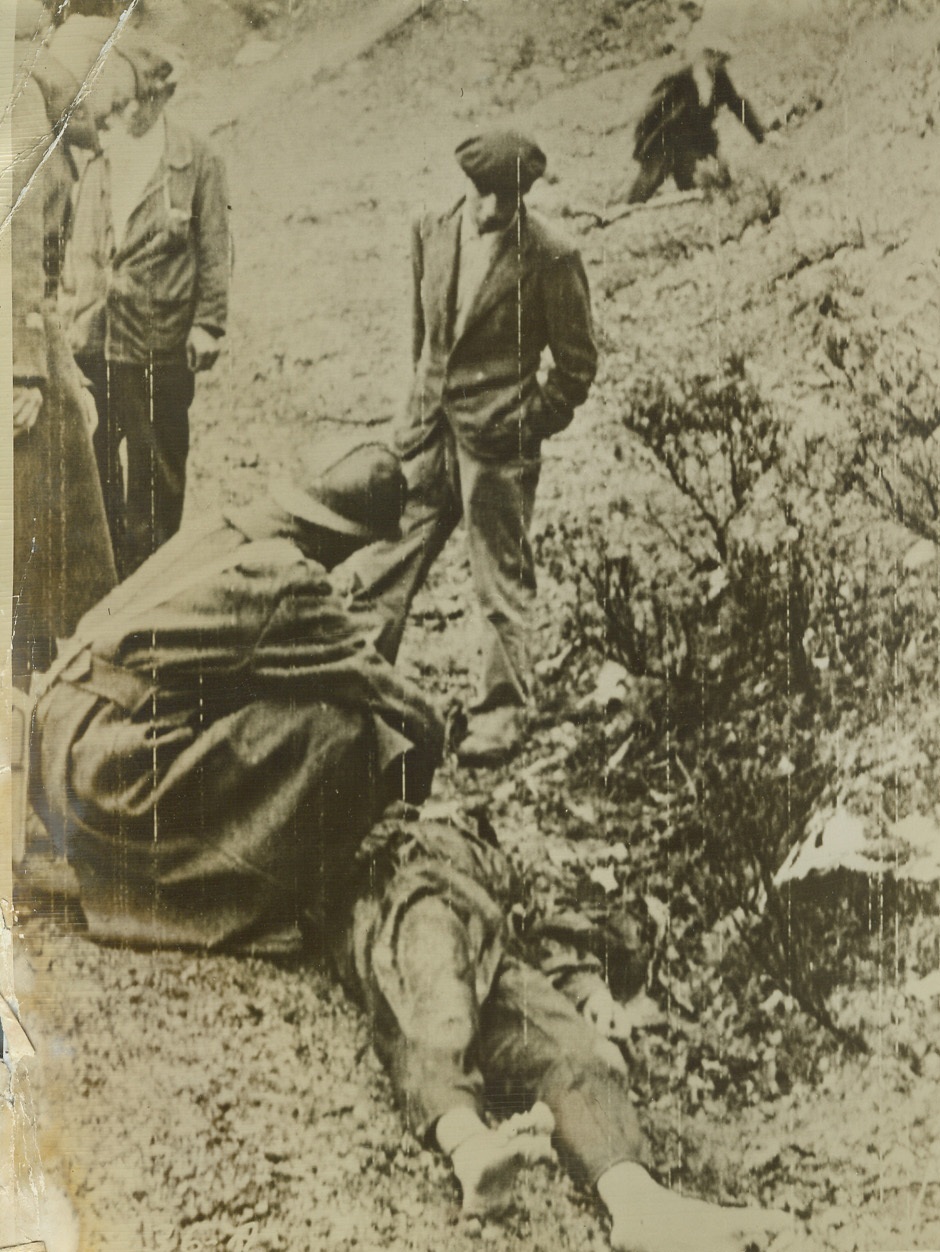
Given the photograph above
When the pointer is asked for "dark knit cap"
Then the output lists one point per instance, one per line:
(501, 160)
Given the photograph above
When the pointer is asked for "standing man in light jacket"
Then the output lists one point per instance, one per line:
(494, 286)
(147, 277)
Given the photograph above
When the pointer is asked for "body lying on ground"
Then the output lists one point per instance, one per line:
(465, 1022)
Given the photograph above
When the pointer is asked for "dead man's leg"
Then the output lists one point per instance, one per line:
(418, 967)
(486, 1162)
(649, 1218)
(535, 1046)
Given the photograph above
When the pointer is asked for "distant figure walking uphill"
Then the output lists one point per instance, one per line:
(677, 129)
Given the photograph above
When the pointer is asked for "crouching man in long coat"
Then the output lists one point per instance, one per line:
(220, 734)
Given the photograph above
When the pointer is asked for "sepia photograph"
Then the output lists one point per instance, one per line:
(470, 758)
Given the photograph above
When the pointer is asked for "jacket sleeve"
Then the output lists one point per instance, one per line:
(567, 304)
(312, 647)
(726, 94)
(31, 134)
(665, 110)
(82, 283)
(213, 245)
(417, 307)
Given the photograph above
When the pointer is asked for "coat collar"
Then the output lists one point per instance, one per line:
(505, 270)
(442, 264)
(178, 154)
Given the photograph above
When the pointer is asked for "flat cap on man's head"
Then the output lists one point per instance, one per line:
(501, 160)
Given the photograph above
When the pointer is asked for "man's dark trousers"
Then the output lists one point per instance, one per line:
(460, 1020)
(148, 405)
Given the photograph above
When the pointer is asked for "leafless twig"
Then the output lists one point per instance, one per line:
(667, 201)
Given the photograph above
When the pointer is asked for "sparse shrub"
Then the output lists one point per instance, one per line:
(525, 55)
(896, 422)
(711, 621)
(714, 437)
(770, 625)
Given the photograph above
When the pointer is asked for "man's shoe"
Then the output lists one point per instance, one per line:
(492, 738)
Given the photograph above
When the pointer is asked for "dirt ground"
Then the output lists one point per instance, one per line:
(193, 1103)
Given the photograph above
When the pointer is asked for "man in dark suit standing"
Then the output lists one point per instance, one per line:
(494, 286)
